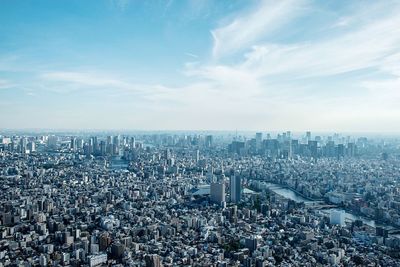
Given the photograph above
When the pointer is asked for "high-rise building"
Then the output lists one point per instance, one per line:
(337, 217)
(308, 136)
(251, 243)
(103, 148)
(52, 142)
(235, 188)
(132, 143)
(209, 141)
(95, 145)
(313, 147)
(73, 144)
(152, 260)
(23, 142)
(32, 146)
(217, 192)
(116, 144)
(258, 141)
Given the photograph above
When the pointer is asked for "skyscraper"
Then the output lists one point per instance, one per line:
(308, 136)
(217, 192)
(52, 142)
(235, 188)
(209, 141)
(152, 260)
(73, 144)
(258, 141)
(31, 146)
(23, 144)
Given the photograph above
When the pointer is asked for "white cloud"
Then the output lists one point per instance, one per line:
(5, 84)
(89, 79)
(191, 55)
(287, 80)
(248, 28)
(270, 85)
(121, 4)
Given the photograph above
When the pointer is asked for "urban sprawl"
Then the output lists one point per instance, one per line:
(199, 199)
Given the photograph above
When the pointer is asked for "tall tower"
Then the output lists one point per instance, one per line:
(217, 192)
(258, 141)
(235, 188)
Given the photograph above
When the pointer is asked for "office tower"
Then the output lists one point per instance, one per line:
(217, 192)
(32, 146)
(23, 144)
(89, 148)
(79, 143)
(340, 151)
(132, 143)
(73, 144)
(351, 149)
(308, 136)
(258, 141)
(117, 140)
(235, 188)
(117, 250)
(330, 149)
(313, 147)
(167, 154)
(251, 243)
(337, 217)
(103, 148)
(109, 140)
(197, 155)
(95, 145)
(236, 147)
(52, 142)
(116, 144)
(209, 141)
(152, 260)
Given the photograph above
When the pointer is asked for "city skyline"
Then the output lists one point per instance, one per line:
(200, 65)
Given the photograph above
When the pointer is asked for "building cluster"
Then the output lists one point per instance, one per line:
(284, 146)
(198, 200)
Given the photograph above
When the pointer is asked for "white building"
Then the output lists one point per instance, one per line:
(96, 260)
(337, 217)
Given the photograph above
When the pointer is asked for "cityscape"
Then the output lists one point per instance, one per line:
(221, 133)
(169, 199)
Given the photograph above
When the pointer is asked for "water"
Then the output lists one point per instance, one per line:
(290, 194)
(287, 193)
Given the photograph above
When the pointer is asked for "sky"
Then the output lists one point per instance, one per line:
(200, 65)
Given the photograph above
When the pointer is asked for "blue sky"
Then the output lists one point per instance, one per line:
(200, 65)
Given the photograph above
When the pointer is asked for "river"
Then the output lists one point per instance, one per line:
(290, 194)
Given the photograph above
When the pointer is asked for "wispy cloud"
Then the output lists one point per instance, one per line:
(5, 84)
(121, 4)
(88, 79)
(191, 55)
(246, 29)
(274, 65)
(272, 75)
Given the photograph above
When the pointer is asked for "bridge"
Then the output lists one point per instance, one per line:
(319, 205)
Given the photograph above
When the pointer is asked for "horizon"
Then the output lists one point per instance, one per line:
(127, 132)
(216, 65)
